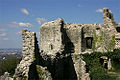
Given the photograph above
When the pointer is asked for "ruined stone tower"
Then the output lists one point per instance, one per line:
(51, 40)
(61, 45)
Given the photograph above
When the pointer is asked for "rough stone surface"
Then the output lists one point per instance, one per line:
(61, 46)
(60, 66)
(29, 59)
(6, 76)
(66, 39)
(106, 62)
(43, 73)
(66, 42)
(78, 36)
(74, 33)
(51, 36)
(80, 69)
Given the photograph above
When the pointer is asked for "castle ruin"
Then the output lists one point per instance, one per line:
(61, 45)
(55, 35)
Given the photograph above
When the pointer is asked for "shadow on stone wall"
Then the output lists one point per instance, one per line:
(82, 41)
(68, 45)
(37, 53)
(62, 67)
(33, 75)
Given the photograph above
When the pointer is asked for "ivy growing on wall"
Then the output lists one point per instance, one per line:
(104, 40)
(111, 43)
(95, 40)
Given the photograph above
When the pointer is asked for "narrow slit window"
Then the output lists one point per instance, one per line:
(51, 47)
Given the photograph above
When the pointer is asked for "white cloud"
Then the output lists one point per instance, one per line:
(25, 11)
(2, 30)
(99, 10)
(13, 24)
(41, 20)
(25, 24)
(3, 34)
(5, 39)
(20, 24)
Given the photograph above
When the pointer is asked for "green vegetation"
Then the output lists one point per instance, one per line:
(40, 72)
(95, 40)
(111, 43)
(76, 56)
(103, 40)
(115, 57)
(43, 74)
(9, 65)
(96, 70)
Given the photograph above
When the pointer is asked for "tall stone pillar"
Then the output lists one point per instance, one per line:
(27, 65)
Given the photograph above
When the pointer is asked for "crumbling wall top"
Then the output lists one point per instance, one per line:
(28, 52)
(51, 36)
(56, 22)
(107, 13)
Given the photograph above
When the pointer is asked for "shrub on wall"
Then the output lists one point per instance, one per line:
(115, 57)
(94, 67)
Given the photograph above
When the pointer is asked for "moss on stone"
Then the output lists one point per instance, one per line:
(40, 73)
(76, 56)
(103, 40)
(43, 74)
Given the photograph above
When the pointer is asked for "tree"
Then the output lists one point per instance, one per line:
(9, 65)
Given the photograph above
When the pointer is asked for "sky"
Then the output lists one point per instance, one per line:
(16, 15)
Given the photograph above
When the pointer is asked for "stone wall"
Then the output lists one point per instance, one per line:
(117, 41)
(67, 66)
(60, 47)
(79, 37)
(74, 33)
(80, 68)
(67, 43)
(61, 43)
(27, 67)
(117, 37)
(6, 76)
(111, 27)
(51, 36)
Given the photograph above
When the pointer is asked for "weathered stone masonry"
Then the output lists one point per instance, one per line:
(27, 67)
(80, 35)
(61, 45)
